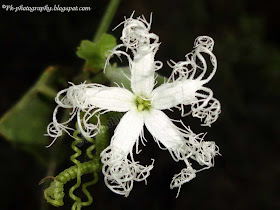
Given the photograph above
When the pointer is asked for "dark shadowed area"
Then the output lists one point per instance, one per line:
(247, 83)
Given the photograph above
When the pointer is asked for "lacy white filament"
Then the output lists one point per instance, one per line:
(120, 172)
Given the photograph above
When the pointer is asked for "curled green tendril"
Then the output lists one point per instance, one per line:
(95, 175)
(77, 204)
(54, 194)
(71, 173)
(85, 190)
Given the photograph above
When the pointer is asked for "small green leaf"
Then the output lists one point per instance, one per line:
(95, 53)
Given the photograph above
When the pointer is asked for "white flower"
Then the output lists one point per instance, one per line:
(143, 107)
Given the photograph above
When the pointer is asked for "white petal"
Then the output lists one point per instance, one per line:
(143, 45)
(119, 171)
(163, 130)
(128, 131)
(142, 73)
(91, 99)
(111, 98)
(85, 96)
(170, 95)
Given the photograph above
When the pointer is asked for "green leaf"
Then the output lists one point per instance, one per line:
(26, 122)
(95, 53)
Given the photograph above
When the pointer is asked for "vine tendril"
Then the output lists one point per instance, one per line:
(54, 194)
(77, 204)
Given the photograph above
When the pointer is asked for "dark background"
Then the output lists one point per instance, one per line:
(246, 35)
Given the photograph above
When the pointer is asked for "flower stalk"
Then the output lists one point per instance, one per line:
(106, 19)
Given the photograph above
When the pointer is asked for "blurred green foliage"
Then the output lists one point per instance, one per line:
(27, 120)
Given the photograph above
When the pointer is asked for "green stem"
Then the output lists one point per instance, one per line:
(47, 91)
(107, 19)
(85, 168)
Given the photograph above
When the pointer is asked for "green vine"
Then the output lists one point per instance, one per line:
(77, 204)
(54, 194)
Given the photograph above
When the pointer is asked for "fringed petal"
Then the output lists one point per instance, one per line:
(91, 100)
(120, 172)
(182, 144)
(137, 38)
(185, 86)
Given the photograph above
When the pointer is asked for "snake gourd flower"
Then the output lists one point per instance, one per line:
(144, 105)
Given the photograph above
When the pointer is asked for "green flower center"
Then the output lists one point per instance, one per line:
(142, 104)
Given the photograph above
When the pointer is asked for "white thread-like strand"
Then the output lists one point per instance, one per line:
(186, 175)
(120, 172)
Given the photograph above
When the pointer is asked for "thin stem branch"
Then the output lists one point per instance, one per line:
(107, 18)
(47, 91)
